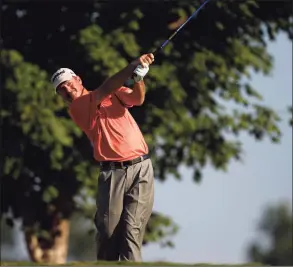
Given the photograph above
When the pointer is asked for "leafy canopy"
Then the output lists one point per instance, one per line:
(196, 105)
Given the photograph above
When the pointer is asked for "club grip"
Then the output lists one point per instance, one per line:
(155, 52)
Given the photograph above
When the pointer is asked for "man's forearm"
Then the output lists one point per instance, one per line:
(139, 92)
(116, 81)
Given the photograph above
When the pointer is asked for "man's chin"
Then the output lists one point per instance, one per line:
(75, 95)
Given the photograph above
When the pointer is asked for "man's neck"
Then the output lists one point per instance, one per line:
(84, 91)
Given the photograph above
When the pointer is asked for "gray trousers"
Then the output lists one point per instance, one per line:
(124, 205)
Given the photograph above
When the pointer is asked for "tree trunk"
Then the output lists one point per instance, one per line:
(53, 252)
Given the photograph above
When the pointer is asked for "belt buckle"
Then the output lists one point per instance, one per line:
(112, 165)
(126, 164)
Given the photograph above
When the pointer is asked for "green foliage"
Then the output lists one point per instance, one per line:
(160, 227)
(49, 169)
(276, 228)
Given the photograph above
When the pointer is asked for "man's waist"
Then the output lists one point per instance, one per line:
(122, 164)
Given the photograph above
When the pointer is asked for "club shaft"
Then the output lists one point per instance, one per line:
(172, 36)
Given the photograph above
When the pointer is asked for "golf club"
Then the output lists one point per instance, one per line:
(172, 36)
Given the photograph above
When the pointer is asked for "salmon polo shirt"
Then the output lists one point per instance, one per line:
(111, 129)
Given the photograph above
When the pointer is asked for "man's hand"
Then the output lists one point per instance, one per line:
(117, 80)
(140, 72)
(144, 60)
(143, 66)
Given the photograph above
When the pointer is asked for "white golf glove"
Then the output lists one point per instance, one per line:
(140, 72)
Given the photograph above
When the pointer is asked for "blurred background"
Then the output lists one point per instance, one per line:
(217, 118)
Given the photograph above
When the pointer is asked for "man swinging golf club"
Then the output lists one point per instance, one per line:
(126, 182)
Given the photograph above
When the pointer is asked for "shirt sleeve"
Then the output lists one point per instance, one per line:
(122, 94)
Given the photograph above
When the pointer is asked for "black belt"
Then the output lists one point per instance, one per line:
(122, 164)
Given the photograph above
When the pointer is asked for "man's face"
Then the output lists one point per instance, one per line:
(70, 90)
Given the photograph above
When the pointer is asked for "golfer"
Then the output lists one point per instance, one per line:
(126, 181)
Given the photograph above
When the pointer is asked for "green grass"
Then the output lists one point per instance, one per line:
(124, 264)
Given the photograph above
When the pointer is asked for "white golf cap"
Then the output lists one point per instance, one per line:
(62, 75)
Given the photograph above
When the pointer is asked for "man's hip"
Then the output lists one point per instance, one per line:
(122, 164)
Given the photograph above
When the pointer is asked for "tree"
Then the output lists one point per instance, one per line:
(276, 228)
(49, 173)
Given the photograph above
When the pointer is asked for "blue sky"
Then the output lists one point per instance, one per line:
(218, 217)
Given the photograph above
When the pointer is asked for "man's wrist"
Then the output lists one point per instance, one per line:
(137, 80)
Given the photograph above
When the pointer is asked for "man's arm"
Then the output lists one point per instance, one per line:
(134, 96)
(118, 79)
(138, 93)
(114, 82)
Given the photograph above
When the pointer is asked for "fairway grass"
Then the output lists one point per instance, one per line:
(101, 263)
